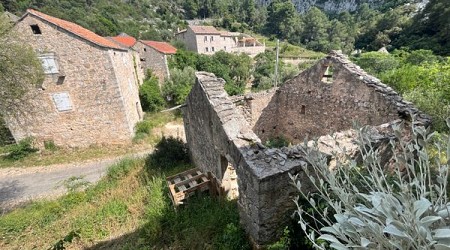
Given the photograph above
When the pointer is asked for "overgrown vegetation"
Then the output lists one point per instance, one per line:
(21, 150)
(128, 209)
(419, 76)
(150, 94)
(405, 206)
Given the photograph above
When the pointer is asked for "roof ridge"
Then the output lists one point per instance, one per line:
(75, 29)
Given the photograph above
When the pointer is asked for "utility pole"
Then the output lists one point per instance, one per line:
(276, 63)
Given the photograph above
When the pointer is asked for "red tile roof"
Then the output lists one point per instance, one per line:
(125, 40)
(76, 30)
(162, 47)
(204, 30)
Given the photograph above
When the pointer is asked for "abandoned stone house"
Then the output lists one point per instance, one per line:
(153, 55)
(208, 40)
(320, 101)
(90, 92)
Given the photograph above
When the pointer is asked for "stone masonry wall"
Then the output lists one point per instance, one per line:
(153, 60)
(98, 113)
(306, 106)
(215, 131)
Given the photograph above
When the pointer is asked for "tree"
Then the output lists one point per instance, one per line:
(20, 71)
(282, 18)
(150, 94)
(315, 28)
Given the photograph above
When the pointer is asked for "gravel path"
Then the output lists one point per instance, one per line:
(20, 185)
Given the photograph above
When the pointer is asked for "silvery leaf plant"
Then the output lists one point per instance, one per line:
(366, 205)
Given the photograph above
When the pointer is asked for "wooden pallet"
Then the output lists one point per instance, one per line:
(186, 184)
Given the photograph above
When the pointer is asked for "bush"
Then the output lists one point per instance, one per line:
(277, 142)
(150, 95)
(170, 152)
(397, 209)
(22, 149)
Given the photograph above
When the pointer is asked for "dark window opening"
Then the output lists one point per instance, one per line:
(145, 49)
(303, 110)
(262, 131)
(60, 80)
(142, 59)
(36, 30)
(328, 75)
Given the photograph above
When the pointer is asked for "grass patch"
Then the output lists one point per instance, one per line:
(128, 209)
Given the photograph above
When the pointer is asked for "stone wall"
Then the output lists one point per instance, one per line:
(153, 60)
(101, 110)
(308, 107)
(216, 132)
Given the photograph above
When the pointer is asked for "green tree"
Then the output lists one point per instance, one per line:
(176, 89)
(282, 18)
(20, 71)
(314, 34)
(150, 94)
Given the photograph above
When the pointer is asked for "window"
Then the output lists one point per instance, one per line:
(225, 48)
(62, 101)
(49, 63)
(328, 75)
(142, 59)
(206, 39)
(303, 110)
(36, 30)
(212, 49)
(206, 49)
(212, 39)
(145, 49)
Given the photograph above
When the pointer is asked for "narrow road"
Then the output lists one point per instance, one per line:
(20, 185)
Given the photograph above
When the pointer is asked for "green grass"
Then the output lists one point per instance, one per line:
(128, 209)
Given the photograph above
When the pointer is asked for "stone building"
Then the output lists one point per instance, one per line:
(90, 91)
(153, 55)
(208, 40)
(321, 101)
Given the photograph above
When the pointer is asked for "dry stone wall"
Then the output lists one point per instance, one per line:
(308, 107)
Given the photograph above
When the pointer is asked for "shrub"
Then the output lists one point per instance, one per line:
(50, 145)
(398, 209)
(22, 149)
(169, 153)
(150, 95)
(277, 142)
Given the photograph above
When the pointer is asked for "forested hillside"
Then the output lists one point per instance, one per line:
(356, 24)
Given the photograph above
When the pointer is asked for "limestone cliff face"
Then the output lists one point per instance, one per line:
(337, 6)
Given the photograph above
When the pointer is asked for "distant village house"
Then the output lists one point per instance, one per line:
(90, 92)
(208, 40)
(153, 55)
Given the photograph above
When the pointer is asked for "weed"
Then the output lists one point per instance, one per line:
(50, 145)
(22, 149)
(75, 183)
(169, 153)
(277, 142)
(67, 239)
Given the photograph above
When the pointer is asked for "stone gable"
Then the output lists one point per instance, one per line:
(90, 98)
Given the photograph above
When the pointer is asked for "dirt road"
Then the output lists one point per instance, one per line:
(20, 185)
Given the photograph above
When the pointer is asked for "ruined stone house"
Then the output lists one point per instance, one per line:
(153, 55)
(208, 40)
(90, 91)
(325, 99)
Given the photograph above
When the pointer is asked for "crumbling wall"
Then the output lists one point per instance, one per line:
(252, 105)
(308, 107)
(215, 131)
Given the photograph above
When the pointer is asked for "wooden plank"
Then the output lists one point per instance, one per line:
(194, 170)
(187, 181)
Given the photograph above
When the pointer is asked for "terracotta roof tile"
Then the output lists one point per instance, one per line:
(76, 30)
(162, 47)
(125, 40)
(204, 30)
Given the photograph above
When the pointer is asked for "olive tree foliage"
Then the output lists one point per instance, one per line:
(20, 71)
(370, 207)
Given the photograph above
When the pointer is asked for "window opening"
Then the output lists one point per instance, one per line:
(303, 110)
(328, 75)
(206, 49)
(60, 80)
(212, 38)
(145, 49)
(212, 49)
(36, 30)
(206, 39)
